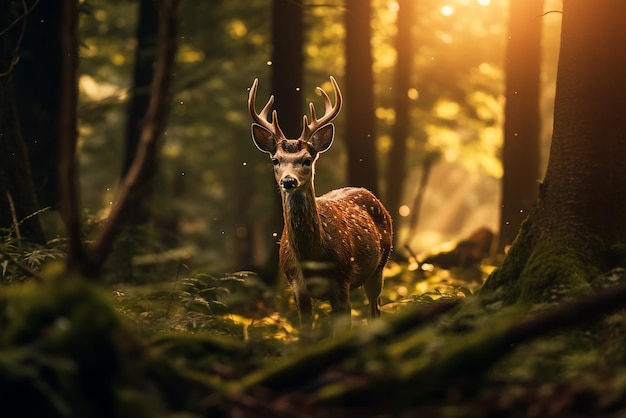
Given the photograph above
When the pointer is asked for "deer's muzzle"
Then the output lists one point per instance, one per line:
(289, 183)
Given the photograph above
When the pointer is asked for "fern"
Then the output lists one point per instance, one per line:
(195, 303)
(17, 261)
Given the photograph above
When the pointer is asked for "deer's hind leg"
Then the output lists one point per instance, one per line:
(339, 298)
(373, 288)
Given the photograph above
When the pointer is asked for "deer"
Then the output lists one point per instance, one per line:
(330, 244)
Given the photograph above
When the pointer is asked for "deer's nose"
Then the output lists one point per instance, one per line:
(288, 182)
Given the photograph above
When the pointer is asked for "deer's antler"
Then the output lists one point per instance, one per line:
(261, 118)
(330, 112)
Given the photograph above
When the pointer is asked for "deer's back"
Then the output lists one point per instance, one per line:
(357, 230)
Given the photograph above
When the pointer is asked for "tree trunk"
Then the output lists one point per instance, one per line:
(143, 167)
(69, 190)
(17, 194)
(360, 118)
(287, 76)
(520, 155)
(586, 170)
(143, 73)
(37, 94)
(396, 162)
(287, 64)
(578, 226)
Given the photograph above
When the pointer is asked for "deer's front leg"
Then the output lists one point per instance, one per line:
(304, 304)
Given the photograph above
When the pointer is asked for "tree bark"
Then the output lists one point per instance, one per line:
(586, 167)
(396, 161)
(287, 80)
(360, 117)
(17, 194)
(38, 93)
(68, 166)
(144, 165)
(287, 64)
(520, 154)
(143, 73)
(87, 261)
(577, 227)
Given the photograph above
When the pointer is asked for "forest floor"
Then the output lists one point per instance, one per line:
(227, 346)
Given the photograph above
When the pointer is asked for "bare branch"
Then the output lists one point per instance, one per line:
(27, 11)
(16, 57)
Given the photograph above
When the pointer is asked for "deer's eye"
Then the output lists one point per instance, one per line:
(307, 162)
(275, 161)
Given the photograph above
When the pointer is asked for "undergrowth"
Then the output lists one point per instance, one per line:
(18, 257)
(207, 331)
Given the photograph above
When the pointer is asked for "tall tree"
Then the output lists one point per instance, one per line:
(520, 155)
(17, 193)
(287, 64)
(396, 162)
(87, 259)
(577, 228)
(360, 118)
(69, 192)
(38, 93)
(287, 77)
(143, 71)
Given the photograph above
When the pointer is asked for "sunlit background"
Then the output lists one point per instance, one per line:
(457, 98)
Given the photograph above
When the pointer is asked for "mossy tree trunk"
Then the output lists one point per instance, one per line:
(578, 225)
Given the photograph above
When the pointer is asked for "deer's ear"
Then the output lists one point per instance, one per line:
(322, 139)
(263, 139)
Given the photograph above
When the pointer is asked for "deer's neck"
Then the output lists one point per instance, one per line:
(302, 223)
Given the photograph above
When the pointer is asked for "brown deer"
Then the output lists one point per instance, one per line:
(330, 244)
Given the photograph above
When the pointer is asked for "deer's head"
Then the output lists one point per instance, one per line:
(294, 159)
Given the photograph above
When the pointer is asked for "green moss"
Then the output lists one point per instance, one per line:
(616, 255)
(66, 333)
(546, 266)
(561, 265)
(505, 279)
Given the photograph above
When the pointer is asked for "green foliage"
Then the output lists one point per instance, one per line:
(16, 253)
(165, 346)
(63, 339)
(408, 283)
(198, 303)
(165, 338)
(65, 348)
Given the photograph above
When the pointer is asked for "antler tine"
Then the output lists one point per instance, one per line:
(330, 111)
(261, 118)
